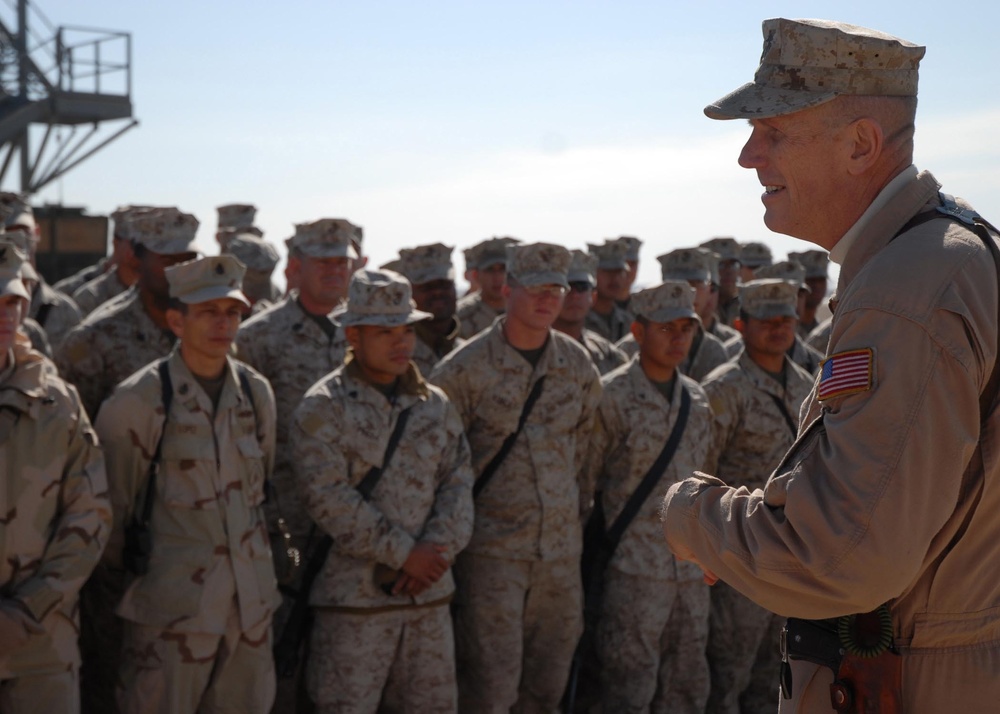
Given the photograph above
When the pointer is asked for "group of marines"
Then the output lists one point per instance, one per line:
(435, 459)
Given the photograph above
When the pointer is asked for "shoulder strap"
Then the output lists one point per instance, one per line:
(508, 443)
(783, 408)
(167, 396)
(371, 479)
(652, 476)
(241, 372)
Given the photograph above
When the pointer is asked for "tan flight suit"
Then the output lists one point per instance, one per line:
(518, 612)
(653, 623)
(54, 523)
(369, 647)
(95, 293)
(198, 623)
(751, 434)
(887, 494)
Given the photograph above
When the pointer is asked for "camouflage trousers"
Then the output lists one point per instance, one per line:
(740, 633)
(169, 672)
(651, 641)
(516, 628)
(395, 661)
(57, 693)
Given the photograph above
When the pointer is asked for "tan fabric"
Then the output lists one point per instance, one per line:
(474, 315)
(819, 338)
(98, 291)
(62, 315)
(611, 327)
(54, 512)
(292, 351)
(340, 431)
(401, 661)
(531, 508)
(705, 356)
(210, 541)
(56, 692)
(883, 496)
(74, 282)
(606, 356)
(426, 354)
(112, 343)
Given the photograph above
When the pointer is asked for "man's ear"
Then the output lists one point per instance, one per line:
(868, 144)
(175, 321)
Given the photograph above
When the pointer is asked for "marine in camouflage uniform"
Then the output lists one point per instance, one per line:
(752, 433)
(116, 340)
(710, 316)
(518, 611)
(819, 338)
(54, 516)
(72, 283)
(606, 317)
(125, 269)
(654, 614)
(430, 272)
(371, 649)
(198, 622)
(261, 258)
(728, 250)
(707, 353)
(576, 305)
(487, 262)
(816, 264)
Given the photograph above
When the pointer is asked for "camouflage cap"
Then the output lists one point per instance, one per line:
(726, 248)
(669, 301)
(123, 217)
(582, 268)
(16, 211)
(22, 239)
(772, 297)
(754, 255)
(204, 279)
(383, 298)
(686, 264)
(806, 63)
(254, 252)
(713, 263)
(426, 263)
(167, 231)
(610, 256)
(325, 238)
(236, 215)
(788, 270)
(395, 266)
(538, 264)
(633, 243)
(814, 261)
(12, 261)
(489, 252)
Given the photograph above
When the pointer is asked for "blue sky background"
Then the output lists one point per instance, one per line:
(455, 121)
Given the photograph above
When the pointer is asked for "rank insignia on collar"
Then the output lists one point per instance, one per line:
(845, 373)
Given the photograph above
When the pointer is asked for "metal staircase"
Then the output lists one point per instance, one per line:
(64, 94)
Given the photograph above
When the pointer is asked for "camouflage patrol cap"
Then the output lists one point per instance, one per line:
(788, 270)
(12, 262)
(236, 215)
(383, 298)
(669, 301)
(254, 252)
(806, 63)
(610, 256)
(426, 263)
(395, 266)
(325, 238)
(814, 261)
(166, 231)
(582, 268)
(22, 239)
(713, 263)
(538, 264)
(489, 252)
(16, 211)
(726, 248)
(771, 297)
(754, 255)
(204, 279)
(685, 264)
(633, 243)
(123, 217)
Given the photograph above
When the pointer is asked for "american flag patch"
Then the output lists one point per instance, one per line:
(845, 373)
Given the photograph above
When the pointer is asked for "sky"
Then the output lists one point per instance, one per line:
(447, 121)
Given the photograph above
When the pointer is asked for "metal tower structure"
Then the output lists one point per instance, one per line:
(65, 93)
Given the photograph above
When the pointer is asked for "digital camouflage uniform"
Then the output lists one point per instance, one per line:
(518, 609)
(98, 291)
(426, 355)
(606, 356)
(369, 647)
(612, 327)
(55, 312)
(54, 523)
(69, 285)
(474, 315)
(39, 340)
(751, 434)
(198, 623)
(110, 345)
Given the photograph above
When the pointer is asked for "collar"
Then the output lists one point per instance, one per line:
(839, 251)
(410, 383)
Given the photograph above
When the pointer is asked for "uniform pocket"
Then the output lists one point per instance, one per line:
(253, 457)
(187, 475)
